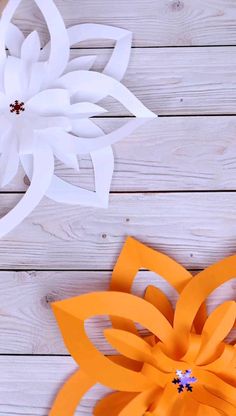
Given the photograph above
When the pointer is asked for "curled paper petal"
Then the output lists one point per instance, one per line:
(40, 182)
(45, 94)
(93, 86)
(184, 372)
(9, 159)
(116, 401)
(81, 63)
(122, 49)
(30, 48)
(14, 40)
(79, 383)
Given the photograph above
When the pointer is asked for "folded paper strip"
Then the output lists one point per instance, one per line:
(46, 104)
(184, 367)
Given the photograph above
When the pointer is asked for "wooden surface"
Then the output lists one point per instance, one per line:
(153, 22)
(174, 186)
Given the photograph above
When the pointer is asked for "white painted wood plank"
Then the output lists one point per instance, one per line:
(177, 81)
(156, 23)
(27, 324)
(179, 153)
(28, 385)
(195, 228)
(181, 81)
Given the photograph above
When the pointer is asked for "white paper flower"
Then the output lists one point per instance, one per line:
(46, 101)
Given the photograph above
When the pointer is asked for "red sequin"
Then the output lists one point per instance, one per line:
(17, 107)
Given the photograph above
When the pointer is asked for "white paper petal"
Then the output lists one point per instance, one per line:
(5, 126)
(119, 60)
(30, 49)
(103, 161)
(68, 159)
(3, 103)
(7, 14)
(41, 181)
(9, 159)
(85, 110)
(16, 79)
(85, 127)
(51, 101)
(81, 146)
(14, 40)
(81, 63)
(5, 20)
(26, 139)
(47, 122)
(92, 86)
(60, 47)
(63, 151)
(36, 79)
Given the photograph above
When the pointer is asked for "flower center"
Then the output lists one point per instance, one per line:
(17, 107)
(184, 380)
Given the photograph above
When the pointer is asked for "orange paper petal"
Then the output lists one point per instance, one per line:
(71, 393)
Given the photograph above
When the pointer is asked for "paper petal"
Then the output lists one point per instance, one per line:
(14, 40)
(93, 86)
(130, 345)
(9, 160)
(119, 60)
(71, 393)
(114, 401)
(72, 313)
(139, 256)
(50, 102)
(216, 329)
(205, 397)
(39, 184)
(140, 404)
(81, 63)
(5, 20)
(85, 110)
(30, 49)
(157, 298)
(16, 77)
(201, 286)
(59, 56)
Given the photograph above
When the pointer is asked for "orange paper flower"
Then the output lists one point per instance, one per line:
(185, 367)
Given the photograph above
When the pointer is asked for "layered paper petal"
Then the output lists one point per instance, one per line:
(188, 368)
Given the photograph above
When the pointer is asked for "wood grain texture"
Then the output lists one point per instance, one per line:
(28, 385)
(27, 324)
(153, 22)
(177, 81)
(166, 154)
(195, 228)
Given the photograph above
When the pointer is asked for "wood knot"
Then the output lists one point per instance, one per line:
(48, 299)
(26, 180)
(177, 5)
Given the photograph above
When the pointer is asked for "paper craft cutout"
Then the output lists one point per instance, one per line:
(46, 105)
(186, 348)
